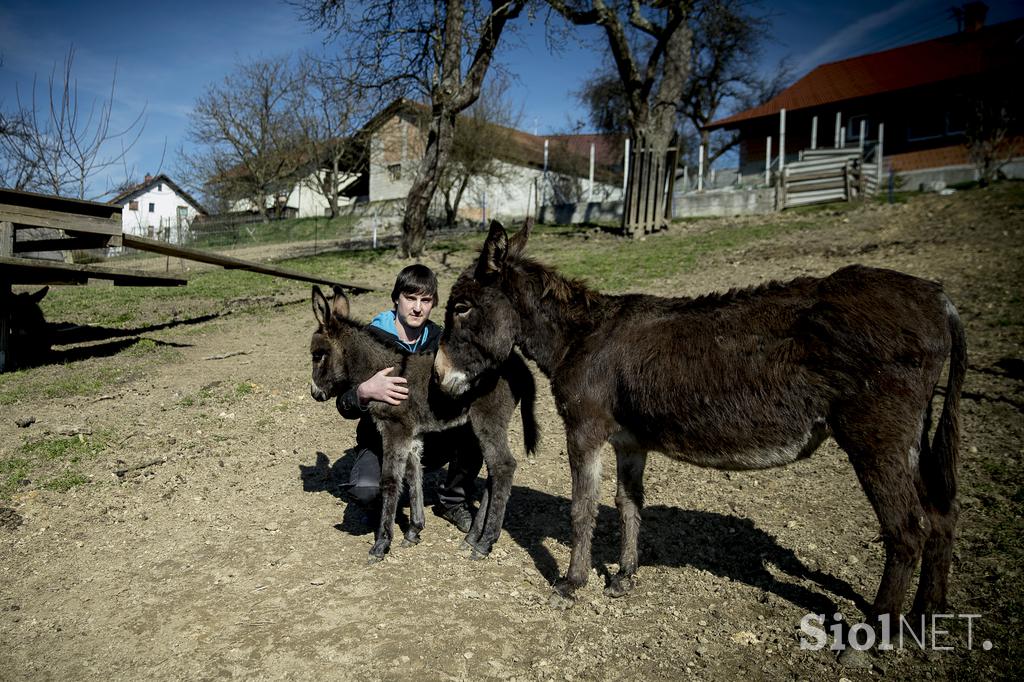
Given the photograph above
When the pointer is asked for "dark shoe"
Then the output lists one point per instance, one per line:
(458, 515)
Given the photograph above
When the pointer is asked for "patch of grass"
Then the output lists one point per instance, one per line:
(65, 481)
(12, 472)
(200, 398)
(50, 461)
(56, 381)
(617, 265)
(142, 347)
(245, 388)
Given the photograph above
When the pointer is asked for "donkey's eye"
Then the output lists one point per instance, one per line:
(318, 355)
(461, 308)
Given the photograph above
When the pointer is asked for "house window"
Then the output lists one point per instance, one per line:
(160, 187)
(956, 122)
(133, 206)
(395, 172)
(152, 207)
(853, 129)
(927, 126)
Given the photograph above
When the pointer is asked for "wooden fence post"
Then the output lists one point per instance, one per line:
(7, 250)
(782, 139)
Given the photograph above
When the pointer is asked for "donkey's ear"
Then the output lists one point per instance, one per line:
(339, 304)
(321, 308)
(517, 242)
(495, 250)
(39, 295)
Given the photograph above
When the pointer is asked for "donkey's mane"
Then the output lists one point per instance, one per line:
(738, 294)
(575, 294)
(563, 290)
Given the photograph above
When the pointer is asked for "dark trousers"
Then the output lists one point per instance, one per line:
(464, 463)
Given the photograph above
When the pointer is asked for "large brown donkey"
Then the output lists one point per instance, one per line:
(345, 354)
(749, 379)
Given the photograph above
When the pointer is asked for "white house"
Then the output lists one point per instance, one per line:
(157, 208)
(306, 199)
(552, 170)
(548, 170)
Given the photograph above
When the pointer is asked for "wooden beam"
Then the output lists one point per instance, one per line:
(6, 238)
(163, 248)
(23, 216)
(31, 271)
(81, 242)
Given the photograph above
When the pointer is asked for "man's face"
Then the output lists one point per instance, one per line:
(413, 309)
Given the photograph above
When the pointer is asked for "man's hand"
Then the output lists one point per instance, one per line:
(383, 388)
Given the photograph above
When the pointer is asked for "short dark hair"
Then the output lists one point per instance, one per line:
(415, 279)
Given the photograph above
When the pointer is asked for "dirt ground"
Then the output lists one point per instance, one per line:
(211, 540)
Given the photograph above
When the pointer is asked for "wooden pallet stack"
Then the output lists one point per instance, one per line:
(823, 175)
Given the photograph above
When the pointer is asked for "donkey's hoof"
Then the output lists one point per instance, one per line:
(465, 546)
(374, 559)
(409, 542)
(559, 602)
(855, 658)
(477, 555)
(620, 585)
(565, 588)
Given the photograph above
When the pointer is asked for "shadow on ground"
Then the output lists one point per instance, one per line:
(726, 546)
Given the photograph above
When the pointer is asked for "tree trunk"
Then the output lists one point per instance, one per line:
(440, 138)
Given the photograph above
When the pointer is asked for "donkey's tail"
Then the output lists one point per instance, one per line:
(940, 478)
(525, 390)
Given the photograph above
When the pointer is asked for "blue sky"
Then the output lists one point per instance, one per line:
(167, 53)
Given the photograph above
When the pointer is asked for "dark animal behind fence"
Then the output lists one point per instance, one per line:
(345, 355)
(29, 337)
(750, 379)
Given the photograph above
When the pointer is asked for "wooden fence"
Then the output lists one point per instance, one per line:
(823, 175)
(649, 186)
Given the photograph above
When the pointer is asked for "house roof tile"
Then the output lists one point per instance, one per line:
(951, 57)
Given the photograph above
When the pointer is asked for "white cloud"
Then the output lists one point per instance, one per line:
(842, 41)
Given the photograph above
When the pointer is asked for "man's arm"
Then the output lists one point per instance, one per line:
(380, 387)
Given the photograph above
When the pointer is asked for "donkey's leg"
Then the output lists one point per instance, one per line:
(630, 462)
(414, 480)
(584, 446)
(477, 528)
(936, 560)
(501, 468)
(938, 550)
(880, 462)
(393, 465)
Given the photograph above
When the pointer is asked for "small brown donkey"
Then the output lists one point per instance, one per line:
(749, 379)
(345, 354)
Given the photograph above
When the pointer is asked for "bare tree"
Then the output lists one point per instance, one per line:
(247, 134)
(725, 49)
(56, 142)
(440, 50)
(724, 69)
(991, 112)
(483, 137)
(331, 109)
(650, 45)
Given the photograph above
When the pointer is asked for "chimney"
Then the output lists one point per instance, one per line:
(970, 17)
(149, 178)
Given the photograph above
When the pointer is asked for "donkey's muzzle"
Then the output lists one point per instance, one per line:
(451, 380)
(318, 393)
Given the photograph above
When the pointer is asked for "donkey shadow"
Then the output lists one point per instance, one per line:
(324, 477)
(726, 546)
